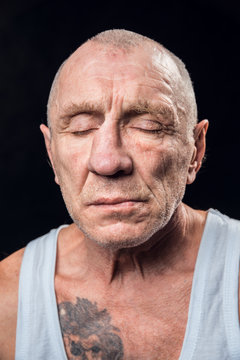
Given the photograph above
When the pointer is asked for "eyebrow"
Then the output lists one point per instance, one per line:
(139, 107)
(85, 106)
(73, 109)
(147, 107)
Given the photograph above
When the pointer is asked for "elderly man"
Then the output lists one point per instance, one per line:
(138, 275)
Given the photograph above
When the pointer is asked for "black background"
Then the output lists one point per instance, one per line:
(36, 36)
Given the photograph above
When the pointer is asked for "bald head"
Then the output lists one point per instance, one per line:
(127, 41)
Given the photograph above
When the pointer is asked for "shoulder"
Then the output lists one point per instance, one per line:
(9, 277)
(12, 262)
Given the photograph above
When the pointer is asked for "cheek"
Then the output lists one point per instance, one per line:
(165, 162)
(70, 164)
(152, 158)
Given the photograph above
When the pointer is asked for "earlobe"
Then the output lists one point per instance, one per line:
(47, 138)
(192, 170)
(199, 150)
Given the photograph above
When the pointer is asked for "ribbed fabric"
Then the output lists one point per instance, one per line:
(38, 329)
(212, 331)
(213, 321)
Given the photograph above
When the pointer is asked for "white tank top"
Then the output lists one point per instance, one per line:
(212, 331)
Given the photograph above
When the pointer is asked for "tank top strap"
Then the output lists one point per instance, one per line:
(38, 331)
(213, 320)
(231, 289)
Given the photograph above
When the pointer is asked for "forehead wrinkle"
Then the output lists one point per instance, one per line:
(102, 106)
(115, 70)
(171, 75)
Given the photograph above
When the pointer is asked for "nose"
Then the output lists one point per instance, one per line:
(108, 156)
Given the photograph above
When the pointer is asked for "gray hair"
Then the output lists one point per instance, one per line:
(127, 40)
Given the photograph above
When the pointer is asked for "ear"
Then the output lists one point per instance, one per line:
(200, 131)
(47, 138)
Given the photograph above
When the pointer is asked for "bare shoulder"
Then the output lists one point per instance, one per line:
(9, 278)
(12, 263)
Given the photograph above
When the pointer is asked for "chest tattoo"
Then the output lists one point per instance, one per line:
(88, 333)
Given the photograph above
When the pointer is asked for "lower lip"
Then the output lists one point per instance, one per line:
(120, 205)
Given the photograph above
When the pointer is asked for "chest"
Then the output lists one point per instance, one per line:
(148, 329)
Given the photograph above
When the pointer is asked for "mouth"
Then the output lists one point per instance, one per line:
(114, 203)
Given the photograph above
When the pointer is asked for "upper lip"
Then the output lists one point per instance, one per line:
(112, 201)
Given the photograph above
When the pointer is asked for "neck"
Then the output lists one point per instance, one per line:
(172, 249)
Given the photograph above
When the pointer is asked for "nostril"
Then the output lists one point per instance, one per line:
(118, 174)
(113, 164)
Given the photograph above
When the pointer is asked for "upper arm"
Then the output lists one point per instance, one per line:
(9, 277)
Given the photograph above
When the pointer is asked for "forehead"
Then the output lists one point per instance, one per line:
(97, 72)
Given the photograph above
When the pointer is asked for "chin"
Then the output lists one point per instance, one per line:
(123, 231)
(120, 235)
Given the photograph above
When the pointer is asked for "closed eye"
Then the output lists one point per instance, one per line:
(147, 126)
(83, 132)
(149, 131)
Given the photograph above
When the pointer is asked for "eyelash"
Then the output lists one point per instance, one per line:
(83, 132)
(86, 132)
(150, 131)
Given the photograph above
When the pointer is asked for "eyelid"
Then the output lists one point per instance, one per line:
(146, 123)
(84, 121)
(69, 120)
(83, 132)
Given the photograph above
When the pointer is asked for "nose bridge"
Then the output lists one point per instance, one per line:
(108, 137)
(108, 155)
